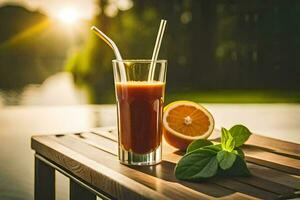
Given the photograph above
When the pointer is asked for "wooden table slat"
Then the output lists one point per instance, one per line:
(275, 145)
(268, 185)
(274, 161)
(111, 182)
(255, 153)
(272, 175)
(283, 178)
(244, 188)
(93, 158)
(253, 181)
(170, 188)
(266, 143)
(260, 193)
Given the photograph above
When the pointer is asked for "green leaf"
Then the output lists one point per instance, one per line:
(239, 168)
(203, 159)
(224, 136)
(230, 144)
(198, 144)
(197, 165)
(240, 134)
(239, 152)
(226, 159)
(227, 141)
(209, 170)
(216, 147)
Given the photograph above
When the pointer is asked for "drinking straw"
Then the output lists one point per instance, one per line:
(159, 37)
(114, 47)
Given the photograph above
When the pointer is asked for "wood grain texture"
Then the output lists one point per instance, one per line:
(251, 183)
(272, 153)
(267, 144)
(100, 176)
(110, 160)
(93, 158)
(272, 160)
(275, 145)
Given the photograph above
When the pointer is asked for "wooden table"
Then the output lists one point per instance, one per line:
(90, 160)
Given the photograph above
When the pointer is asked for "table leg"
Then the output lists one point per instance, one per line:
(44, 181)
(77, 192)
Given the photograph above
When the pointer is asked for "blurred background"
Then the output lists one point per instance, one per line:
(219, 51)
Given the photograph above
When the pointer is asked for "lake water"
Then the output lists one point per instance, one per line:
(19, 123)
(58, 89)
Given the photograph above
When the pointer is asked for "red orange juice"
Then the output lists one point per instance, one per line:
(140, 105)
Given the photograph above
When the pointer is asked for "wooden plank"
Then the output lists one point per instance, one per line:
(237, 185)
(275, 176)
(263, 177)
(165, 168)
(108, 181)
(275, 145)
(268, 144)
(244, 188)
(272, 160)
(259, 141)
(164, 177)
(278, 155)
(102, 195)
(164, 186)
(266, 185)
(44, 181)
(291, 181)
(77, 192)
(254, 180)
(103, 142)
(261, 193)
(108, 132)
(255, 154)
(270, 185)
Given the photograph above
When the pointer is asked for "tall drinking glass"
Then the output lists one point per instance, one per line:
(140, 105)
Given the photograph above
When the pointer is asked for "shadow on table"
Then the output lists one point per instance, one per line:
(162, 171)
(224, 187)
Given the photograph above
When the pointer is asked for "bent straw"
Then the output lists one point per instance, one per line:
(159, 37)
(114, 47)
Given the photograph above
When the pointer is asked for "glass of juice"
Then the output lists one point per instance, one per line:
(140, 88)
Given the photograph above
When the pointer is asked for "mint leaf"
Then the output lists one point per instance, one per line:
(226, 159)
(240, 134)
(203, 159)
(197, 165)
(209, 170)
(239, 152)
(198, 144)
(224, 136)
(216, 147)
(227, 141)
(239, 168)
(230, 144)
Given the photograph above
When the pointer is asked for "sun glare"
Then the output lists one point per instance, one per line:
(68, 15)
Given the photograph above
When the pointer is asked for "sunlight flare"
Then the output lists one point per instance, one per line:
(68, 15)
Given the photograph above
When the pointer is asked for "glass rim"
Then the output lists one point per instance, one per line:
(139, 61)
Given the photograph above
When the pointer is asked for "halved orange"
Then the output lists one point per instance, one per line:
(186, 121)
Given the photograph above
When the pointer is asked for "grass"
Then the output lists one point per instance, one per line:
(234, 96)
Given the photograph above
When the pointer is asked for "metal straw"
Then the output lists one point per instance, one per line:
(114, 47)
